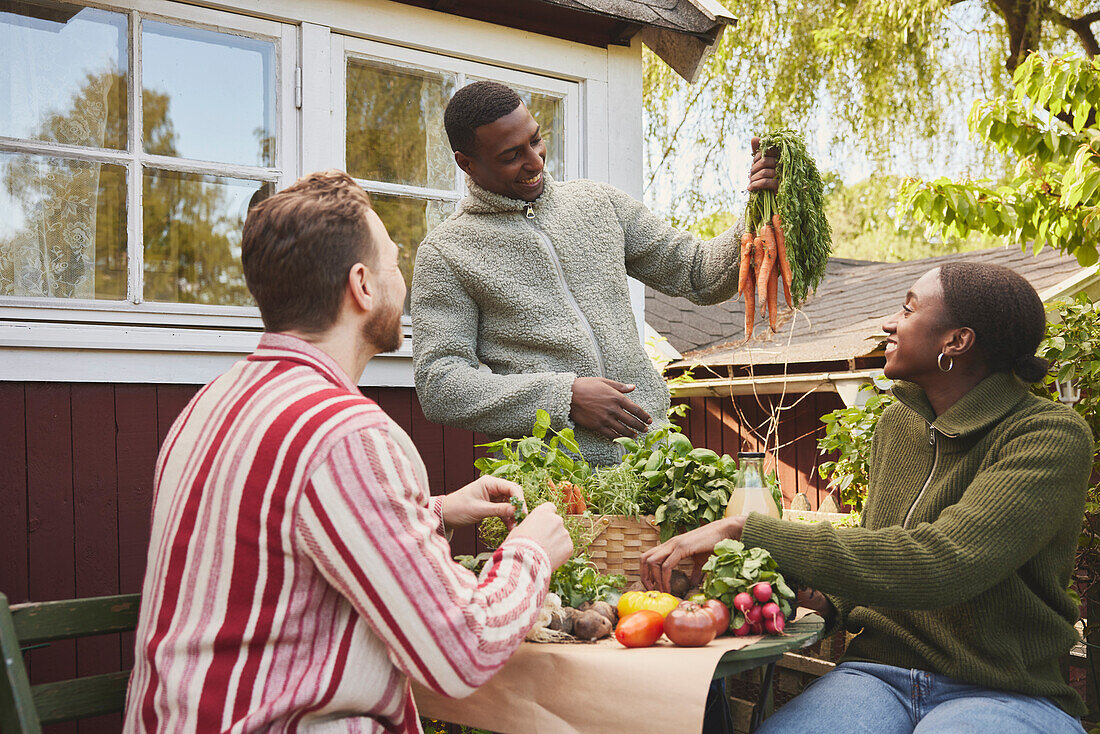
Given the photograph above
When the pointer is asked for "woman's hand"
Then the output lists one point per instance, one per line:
(486, 497)
(817, 602)
(657, 563)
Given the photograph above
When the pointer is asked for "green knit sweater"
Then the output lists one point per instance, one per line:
(966, 547)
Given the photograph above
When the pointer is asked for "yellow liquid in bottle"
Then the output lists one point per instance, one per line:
(752, 499)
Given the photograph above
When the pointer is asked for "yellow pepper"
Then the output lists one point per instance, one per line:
(658, 601)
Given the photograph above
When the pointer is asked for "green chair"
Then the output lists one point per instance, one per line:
(25, 708)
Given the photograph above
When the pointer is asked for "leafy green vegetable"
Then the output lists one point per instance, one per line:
(619, 490)
(559, 456)
(474, 563)
(732, 569)
(800, 202)
(578, 580)
(521, 512)
(690, 486)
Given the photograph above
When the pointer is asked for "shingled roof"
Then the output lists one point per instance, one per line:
(840, 322)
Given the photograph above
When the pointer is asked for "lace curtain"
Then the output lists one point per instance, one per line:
(53, 252)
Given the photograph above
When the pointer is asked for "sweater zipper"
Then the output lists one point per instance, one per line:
(935, 460)
(545, 240)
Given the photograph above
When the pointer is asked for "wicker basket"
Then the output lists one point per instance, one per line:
(619, 541)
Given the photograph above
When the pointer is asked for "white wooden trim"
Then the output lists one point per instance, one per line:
(122, 312)
(68, 353)
(418, 192)
(209, 168)
(135, 248)
(318, 149)
(433, 31)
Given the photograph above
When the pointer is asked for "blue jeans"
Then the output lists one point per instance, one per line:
(882, 699)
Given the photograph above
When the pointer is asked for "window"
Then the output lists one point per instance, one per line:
(130, 148)
(394, 141)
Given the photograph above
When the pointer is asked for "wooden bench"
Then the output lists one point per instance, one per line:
(25, 708)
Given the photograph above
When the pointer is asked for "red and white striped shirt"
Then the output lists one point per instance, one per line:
(296, 575)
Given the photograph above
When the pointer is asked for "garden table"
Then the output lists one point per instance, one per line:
(603, 687)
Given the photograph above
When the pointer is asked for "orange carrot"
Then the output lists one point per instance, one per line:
(781, 258)
(744, 275)
(759, 250)
(764, 272)
(773, 297)
(750, 310)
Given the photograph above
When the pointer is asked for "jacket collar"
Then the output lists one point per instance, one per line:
(988, 402)
(480, 201)
(276, 346)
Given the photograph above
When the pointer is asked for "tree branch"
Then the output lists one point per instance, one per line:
(1081, 26)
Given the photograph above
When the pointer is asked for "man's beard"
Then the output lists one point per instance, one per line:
(383, 330)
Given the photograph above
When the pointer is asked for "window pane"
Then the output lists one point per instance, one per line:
(208, 96)
(549, 112)
(63, 74)
(408, 221)
(62, 228)
(395, 125)
(192, 233)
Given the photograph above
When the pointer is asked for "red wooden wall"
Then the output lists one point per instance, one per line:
(729, 425)
(76, 476)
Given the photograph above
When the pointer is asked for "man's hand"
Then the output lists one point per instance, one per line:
(544, 526)
(763, 174)
(486, 497)
(600, 405)
(657, 563)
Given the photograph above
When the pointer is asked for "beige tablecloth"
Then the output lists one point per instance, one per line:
(596, 688)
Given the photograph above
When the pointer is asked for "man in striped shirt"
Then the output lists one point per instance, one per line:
(298, 574)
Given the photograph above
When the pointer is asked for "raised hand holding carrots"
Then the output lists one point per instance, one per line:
(790, 235)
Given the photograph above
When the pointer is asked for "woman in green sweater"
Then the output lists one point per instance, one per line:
(955, 582)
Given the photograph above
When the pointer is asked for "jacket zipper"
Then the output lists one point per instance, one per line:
(935, 460)
(529, 213)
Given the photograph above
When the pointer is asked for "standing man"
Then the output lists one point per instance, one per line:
(298, 574)
(520, 298)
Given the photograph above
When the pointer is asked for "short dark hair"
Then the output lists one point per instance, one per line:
(1004, 311)
(298, 246)
(475, 105)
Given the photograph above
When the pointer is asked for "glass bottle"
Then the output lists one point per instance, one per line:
(751, 493)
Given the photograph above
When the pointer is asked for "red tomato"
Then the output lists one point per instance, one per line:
(721, 614)
(640, 629)
(690, 625)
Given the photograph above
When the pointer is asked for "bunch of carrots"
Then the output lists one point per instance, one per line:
(763, 262)
(788, 234)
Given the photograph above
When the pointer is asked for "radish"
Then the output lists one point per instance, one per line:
(762, 592)
(754, 614)
(771, 610)
(775, 625)
(742, 602)
(742, 630)
(757, 628)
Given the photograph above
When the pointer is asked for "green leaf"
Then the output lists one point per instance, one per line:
(542, 423)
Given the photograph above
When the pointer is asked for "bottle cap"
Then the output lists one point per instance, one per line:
(750, 455)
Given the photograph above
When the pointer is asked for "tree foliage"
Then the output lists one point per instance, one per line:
(882, 79)
(1049, 125)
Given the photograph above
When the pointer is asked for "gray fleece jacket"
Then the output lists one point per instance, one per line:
(513, 301)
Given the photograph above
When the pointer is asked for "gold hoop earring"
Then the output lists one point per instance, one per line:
(950, 362)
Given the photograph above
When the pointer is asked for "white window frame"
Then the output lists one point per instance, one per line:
(135, 310)
(118, 342)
